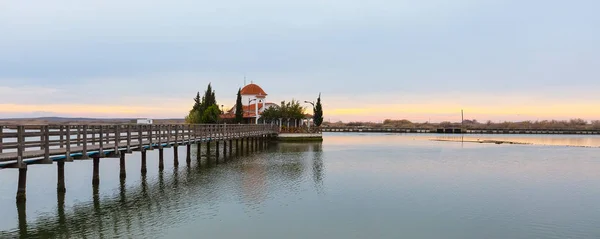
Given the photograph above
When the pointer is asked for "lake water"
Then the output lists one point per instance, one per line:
(350, 186)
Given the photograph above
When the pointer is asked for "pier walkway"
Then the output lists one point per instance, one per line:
(23, 145)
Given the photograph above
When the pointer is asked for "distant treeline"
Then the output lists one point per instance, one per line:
(579, 124)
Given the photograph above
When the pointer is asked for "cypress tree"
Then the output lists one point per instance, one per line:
(197, 102)
(204, 109)
(209, 98)
(239, 110)
(318, 117)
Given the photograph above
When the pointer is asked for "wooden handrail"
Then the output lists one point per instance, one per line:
(35, 141)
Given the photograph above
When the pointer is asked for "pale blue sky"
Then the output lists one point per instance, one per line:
(487, 56)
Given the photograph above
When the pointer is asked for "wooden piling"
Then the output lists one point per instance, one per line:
(217, 151)
(237, 147)
(198, 151)
(96, 171)
(161, 159)
(60, 182)
(224, 149)
(230, 147)
(22, 184)
(208, 149)
(175, 156)
(188, 157)
(144, 169)
(247, 145)
(122, 171)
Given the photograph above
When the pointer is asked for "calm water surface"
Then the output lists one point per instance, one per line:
(350, 186)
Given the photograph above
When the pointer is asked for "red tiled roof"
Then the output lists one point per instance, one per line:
(251, 107)
(253, 89)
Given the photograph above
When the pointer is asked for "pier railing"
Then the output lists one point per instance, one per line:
(48, 142)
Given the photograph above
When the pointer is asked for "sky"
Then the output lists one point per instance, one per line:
(422, 60)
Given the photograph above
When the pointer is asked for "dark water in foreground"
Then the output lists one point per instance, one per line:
(351, 186)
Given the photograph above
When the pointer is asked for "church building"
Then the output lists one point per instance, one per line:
(254, 100)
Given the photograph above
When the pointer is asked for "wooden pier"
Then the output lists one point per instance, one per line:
(24, 145)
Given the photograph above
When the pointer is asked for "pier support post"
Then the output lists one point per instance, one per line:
(175, 155)
(239, 148)
(144, 170)
(161, 159)
(122, 172)
(230, 147)
(260, 143)
(208, 149)
(22, 184)
(96, 171)
(217, 151)
(247, 145)
(60, 182)
(199, 151)
(224, 149)
(188, 157)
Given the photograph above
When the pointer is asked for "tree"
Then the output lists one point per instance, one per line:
(203, 110)
(209, 98)
(211, 115)
(194, 117)
(197, 101)
(287, 110)
(318, 113)
(271, 114)
(239, 109)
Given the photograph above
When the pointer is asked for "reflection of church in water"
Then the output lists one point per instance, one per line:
(299, 161)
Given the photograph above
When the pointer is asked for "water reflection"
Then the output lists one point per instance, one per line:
(555, 140)
(165, 199)
(318, 170)
(21, 211)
